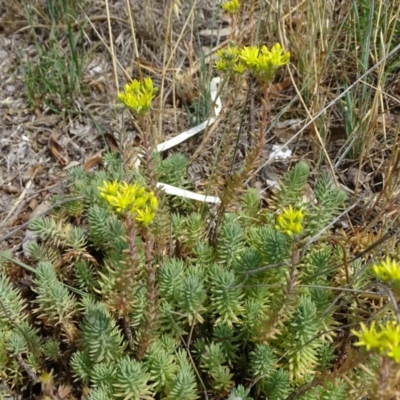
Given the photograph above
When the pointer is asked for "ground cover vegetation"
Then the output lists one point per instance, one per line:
(282, 280)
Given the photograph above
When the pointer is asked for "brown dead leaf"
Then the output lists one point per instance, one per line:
(57, 150)
(11, 189)
(92, 161)
(279, 86)
(33, 204)
(34, 170)
(112, 143)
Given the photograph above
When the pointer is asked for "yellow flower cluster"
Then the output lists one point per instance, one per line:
(130, 199)
(264, 63)
(231, 6)
(290, 221)
(229, 60)
(385, 339)
(388, 271)
(138, 95)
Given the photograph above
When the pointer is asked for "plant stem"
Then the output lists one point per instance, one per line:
(151, 312)
(235, 182)
(265, 114)
(147, 152)
(128, 279)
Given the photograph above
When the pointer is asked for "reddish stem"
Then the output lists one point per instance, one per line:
(152, 297)
(264, 120)
(147, 152)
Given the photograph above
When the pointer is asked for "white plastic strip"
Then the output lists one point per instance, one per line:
(185, 135)
(172, 190)
(199, 128)
(187, 194)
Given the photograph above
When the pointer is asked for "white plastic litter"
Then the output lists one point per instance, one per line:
(187, 193)
(280, 152)
(173, 190)
(199, 128)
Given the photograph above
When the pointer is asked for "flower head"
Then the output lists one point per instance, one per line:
(138, 95)
(131, 199)
(145, 215)
(385, 339)
(109, 189)
(264, 62)
(250, 56)
(278, 57)
(368, 336)
(231, 6)
(229, 60)
(290, 221)
(388, 271)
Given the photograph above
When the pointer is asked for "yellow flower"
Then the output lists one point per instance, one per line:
(385, 339)
(239, 68)
(138, 96)
(229, 58)
(279, 58)
(123, 200)
(263, 62)
(131, 199)
(221, 65)
(394, 354)
(368, 337)
(140, 202)
(250, 56)
(145, 216)
(290, 221)
(153, 202)
(148, 85)
(387, 270)
(109, 190)
(231, 6)
(391, 344)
